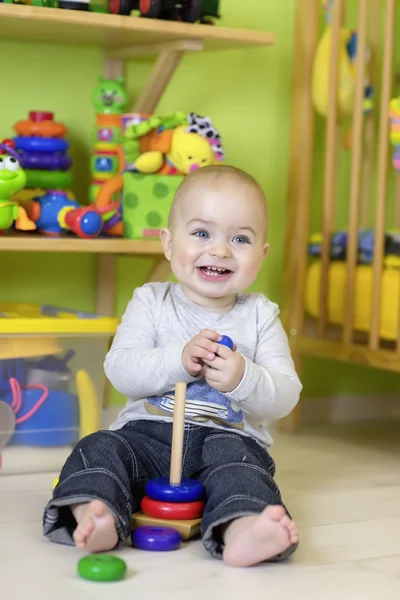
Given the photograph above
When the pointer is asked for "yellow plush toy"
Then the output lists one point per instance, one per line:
(321, 70)
(179, 150)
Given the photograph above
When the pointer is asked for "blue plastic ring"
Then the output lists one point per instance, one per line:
(226, 341)
(188, 491)
(156, 539)
(40, 144)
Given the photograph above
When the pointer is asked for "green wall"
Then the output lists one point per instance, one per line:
(247, 94)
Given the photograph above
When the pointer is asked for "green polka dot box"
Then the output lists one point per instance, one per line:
(146, 202)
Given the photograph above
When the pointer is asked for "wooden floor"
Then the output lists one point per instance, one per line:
(342, 485)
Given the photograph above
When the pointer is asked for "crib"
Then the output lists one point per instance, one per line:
(342, 258)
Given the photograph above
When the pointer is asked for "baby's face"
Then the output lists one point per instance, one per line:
(216, 243)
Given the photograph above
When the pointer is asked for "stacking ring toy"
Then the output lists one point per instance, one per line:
(226, 341)
(188, 490)
(49, 180)
(156, 539)
(101, 567)
(39, 144)
(47, 161)
(172, 510)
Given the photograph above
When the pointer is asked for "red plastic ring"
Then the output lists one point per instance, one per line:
(39, 115)
(172, 510)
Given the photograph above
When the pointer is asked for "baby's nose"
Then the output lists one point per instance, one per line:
(194, 167)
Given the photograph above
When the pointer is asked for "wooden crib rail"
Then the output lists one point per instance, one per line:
(382, 185)
(356, 164)
(331, 151)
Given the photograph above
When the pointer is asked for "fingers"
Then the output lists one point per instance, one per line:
(223, 351)
(201, 353)
(194, 366)
(210, 334)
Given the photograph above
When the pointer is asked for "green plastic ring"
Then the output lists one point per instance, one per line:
(49, 180)
(101, 567)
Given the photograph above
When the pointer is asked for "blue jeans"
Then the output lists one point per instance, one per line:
(114, 466)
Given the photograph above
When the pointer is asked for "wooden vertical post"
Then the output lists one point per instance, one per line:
(352, 242)
(299, 189)
(383, 151)
(370, 125)
(330, 173)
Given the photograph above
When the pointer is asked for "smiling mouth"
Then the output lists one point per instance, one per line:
(214, 272)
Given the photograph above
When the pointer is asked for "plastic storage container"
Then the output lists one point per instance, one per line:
(51, 383)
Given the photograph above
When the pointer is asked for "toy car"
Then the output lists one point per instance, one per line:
(189, 11)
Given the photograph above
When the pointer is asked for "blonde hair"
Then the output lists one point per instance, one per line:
(216, 173)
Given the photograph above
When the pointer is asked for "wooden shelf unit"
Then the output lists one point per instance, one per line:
(114, 32)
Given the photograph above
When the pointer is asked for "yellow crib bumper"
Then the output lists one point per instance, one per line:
(390, 290)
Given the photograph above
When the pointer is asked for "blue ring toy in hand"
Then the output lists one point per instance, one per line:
(226, 341)
(156, 539)
(40, 144)
(189, 490)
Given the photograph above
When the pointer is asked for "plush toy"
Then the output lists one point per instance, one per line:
(12, 180)
(347, 72)
(175, 144)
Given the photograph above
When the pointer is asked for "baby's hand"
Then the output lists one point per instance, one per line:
(225, 371)
(201, 347)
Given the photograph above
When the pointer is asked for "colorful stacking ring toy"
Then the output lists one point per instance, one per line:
(176, 489)
(101, 567)
(159, 539)
(40, 144)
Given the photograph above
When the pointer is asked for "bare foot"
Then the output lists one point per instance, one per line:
(96, 530)
(253, 539)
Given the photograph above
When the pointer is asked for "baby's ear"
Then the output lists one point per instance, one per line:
(166, 239)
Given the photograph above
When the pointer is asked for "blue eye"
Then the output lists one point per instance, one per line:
(201, 233)
(241, 239)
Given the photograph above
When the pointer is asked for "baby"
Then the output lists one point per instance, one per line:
(216, 243)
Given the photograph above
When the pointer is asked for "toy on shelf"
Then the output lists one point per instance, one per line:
(175, 144)
(12, 180)
(54, 214)
(189, 11)
(109, 99)
(171, 505)
(164, 149)
(43, 151)
(347, 70)
(394, 114)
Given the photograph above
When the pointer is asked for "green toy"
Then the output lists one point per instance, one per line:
(110, 97)
(101, 567)
(146, 202)
(12, 181)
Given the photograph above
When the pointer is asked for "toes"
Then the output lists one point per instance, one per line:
(286, 521)
(275, 512)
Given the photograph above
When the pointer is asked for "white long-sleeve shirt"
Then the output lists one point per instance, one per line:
(145, 361)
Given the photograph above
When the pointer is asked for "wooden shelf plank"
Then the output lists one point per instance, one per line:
(38, 243)
(111, 32)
